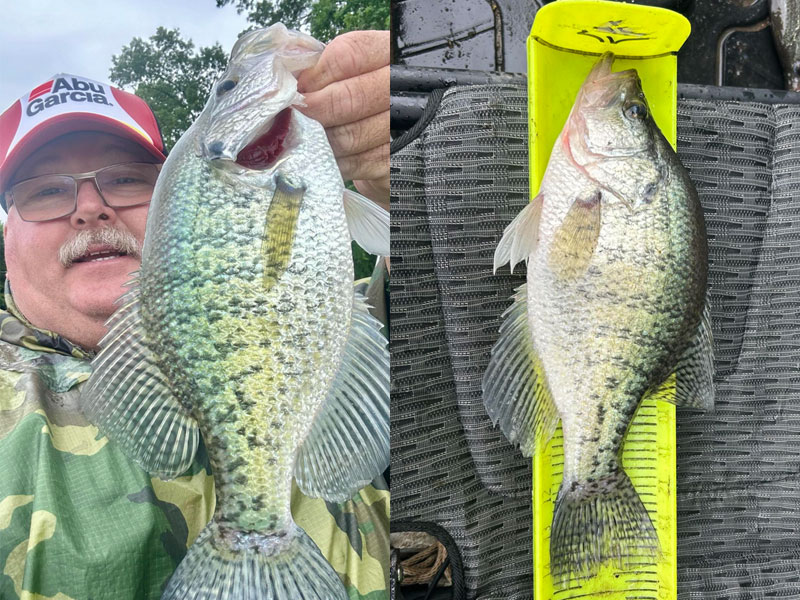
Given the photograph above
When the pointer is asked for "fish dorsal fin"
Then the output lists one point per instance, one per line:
(368, 223)
(514, 389)
(694, 375)
(348, 445)
(128, 398)
(521, 236)
(575, 240)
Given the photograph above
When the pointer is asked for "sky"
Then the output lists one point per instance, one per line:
(40, 38)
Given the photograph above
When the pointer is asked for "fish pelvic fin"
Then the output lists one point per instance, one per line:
(348, 445)
(521, 236)
(129, 399)
(596, 522)
(693, 383)
(515, 391)
(254, 567)
(368, 223)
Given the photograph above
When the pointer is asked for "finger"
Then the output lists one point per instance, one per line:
(359, 136)
(349, 100)
(372, 164)
(348, 55)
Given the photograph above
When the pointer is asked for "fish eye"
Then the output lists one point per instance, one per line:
(636, 110)
(226, 86)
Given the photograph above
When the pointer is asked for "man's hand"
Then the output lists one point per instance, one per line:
(348, 92)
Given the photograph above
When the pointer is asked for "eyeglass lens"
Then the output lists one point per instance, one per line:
(53, 196)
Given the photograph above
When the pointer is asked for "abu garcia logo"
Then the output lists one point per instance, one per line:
(64, 90)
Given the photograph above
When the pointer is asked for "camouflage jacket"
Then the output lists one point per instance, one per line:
(79, 520)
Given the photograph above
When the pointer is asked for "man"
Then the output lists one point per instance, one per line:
(78, 519)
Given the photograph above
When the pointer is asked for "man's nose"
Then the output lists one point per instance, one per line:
(91, 211)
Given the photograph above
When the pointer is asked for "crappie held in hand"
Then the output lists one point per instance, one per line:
(242, 323)
(615, 301)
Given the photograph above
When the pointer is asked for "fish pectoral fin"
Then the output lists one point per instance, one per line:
(515, 391)
(368, 223)
(521, 236)
(348, 445)
(694, 375)
(279, 230)
(575, 240)
(128, 398)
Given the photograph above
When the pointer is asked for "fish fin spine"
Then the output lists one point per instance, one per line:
(274, 567)
(599, 521)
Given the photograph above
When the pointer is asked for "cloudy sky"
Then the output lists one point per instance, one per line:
(43, 37)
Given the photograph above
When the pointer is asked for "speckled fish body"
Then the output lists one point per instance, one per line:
(617, 265)
(785, 24)
(246, 355)
(245, 320)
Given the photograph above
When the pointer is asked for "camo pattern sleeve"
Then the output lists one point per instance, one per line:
(353, 536)
(78, 519)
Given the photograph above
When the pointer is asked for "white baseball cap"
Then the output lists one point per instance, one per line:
(68, 103)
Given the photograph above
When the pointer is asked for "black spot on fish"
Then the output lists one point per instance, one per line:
(235, 464)
(241, 479)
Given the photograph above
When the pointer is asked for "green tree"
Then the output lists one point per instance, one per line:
(324, 19)
(171, 76)
(329, 18)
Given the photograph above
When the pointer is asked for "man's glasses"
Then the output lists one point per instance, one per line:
(49, 197)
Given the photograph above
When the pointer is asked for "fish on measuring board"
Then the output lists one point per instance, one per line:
(615, 301)
(784, 18)
(242, 324)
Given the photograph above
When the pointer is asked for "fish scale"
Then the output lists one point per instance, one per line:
(293, 373)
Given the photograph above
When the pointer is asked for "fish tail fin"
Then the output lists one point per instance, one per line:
(251, 566)
(596, 522)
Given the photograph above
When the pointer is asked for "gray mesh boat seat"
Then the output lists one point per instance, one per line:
(457, 180)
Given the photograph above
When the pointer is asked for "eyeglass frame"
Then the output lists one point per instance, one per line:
(78, 177)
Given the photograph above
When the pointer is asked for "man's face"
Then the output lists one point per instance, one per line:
(73, 300)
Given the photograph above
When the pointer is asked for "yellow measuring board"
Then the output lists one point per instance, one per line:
(567, 39)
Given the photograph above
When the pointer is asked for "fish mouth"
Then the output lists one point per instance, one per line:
(268, 144)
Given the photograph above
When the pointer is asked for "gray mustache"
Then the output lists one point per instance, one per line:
(121, 241)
